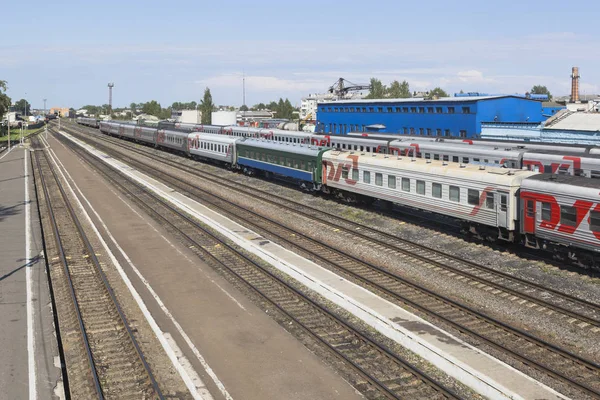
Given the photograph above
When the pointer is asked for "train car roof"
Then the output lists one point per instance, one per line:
(456, 147)
(559, 152)
(564, 185)
(282, 146)
(213, 137)
(471, 172)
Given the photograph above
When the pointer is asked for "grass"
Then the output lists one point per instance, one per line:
(17, 134)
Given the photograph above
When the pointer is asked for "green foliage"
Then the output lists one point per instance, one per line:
(184, 106)
(4, 99)
(244, 108)
(207, 106)
(133, 107)
(153, 108)
(378, 90)
(21, 106)
(438, 91)
(539, 89)
(283, 109)
(398, 90)
(259, 106)
(92, 110)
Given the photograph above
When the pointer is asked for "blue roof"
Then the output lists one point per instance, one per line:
(423, 100)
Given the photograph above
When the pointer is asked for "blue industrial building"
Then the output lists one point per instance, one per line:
(448, 116)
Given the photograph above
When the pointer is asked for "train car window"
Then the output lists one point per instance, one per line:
(473, 197)
(476, 160)
(465, 160)
(391, 181)
(421, 187)
(568, 216)
(296, 165)
(436, 156)
(489, 201)
(454, 193)
(354, 174)
(503, 203)
(366, 177)
(446, 158)
(485, 160)
(355, 147)
(530, 208)
(578, 172)
(281, 160)
(418, 155)
(454, 158)
(595, 221)
(563, 170)
(546, 211)
(428, 156)
(263, 156)
(378, 179)
(436, 190)
(406, 184)
(338, 146)
(288, 162)
(368, 149)
(310, 166)
(302, 165)
(595, 174)
(344, 172)
(362, 148)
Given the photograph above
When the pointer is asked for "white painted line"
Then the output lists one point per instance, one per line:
(449, 364)
(7, 152)
(29, 284)
(160, 335)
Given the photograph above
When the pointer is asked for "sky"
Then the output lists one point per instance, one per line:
(67, 52)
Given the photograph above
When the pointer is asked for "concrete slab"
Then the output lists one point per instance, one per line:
(485, 374)
(28, 347)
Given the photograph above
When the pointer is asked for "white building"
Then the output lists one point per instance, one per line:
(308, 105)
(187, 116)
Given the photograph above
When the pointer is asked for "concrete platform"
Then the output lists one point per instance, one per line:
(28, 347)
(238, 351)
(486, 375)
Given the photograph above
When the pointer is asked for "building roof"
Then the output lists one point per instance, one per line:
(578, 121)
(427, 101)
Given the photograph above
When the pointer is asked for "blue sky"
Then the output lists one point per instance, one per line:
(171, 51)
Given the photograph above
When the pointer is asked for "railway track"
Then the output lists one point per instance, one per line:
(561, 365)
(103, 358)
(382, 372)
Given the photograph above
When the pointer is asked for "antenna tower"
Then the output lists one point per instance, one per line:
(110, 87)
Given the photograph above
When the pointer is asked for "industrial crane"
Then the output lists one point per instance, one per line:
(342, 86)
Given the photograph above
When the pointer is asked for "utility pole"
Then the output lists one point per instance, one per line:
(45, 107)
(25, 105)
(244, 88)
(8, 125)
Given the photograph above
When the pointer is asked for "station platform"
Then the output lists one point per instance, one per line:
(29, 359)
(483, 373)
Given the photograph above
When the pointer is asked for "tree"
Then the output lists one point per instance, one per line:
(378, 90)
(259, 106)
(152, 108)
(438, 91)
(4, 99)
(244, 108)
(539, 89)
(132, 107)
(398, 90)
(206, 107)
(22, 106)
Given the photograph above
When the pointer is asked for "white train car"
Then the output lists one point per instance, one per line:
(561, 213)
(563, 163)
(91, 122)
(127, 131)
(343, 142)
(109, 127)
(145, 134)
(174, 140)
(219, 148)
(457, 153)
(484, 199)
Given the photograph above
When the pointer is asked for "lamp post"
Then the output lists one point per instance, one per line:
(25, 105)
(8, 126)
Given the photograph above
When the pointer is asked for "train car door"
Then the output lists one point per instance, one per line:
(529, 212)
(503, 210)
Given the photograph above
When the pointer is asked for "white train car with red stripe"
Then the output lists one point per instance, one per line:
(561, 214)
(485, 200)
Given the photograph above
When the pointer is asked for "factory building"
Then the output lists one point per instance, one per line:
(459, 116)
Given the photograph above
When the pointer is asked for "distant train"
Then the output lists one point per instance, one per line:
(556, 213)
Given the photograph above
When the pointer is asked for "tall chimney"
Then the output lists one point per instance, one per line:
(575, 85)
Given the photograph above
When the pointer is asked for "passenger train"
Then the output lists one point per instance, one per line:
(557, 213)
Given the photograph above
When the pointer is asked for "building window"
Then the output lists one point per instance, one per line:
(413, 109)
(438, 132)
(447, 132)
(366, 177)
(371, 109)
(436, 190)
(428, 131)
(406, 184)
(391, 181)
(430, 110)
(450, 110)
(463, 133)
(455, 193)
(466, 110)
(421, 110)
(568, 216)
(389, 109)
(378, 179)
(406, 133)
(439, 110)
(421, 187)
(364, 109)
(405, 109)
(380, 109)
(421, 131)
(473, 197)
(398, 109)
(412, 131)
(329, 109)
